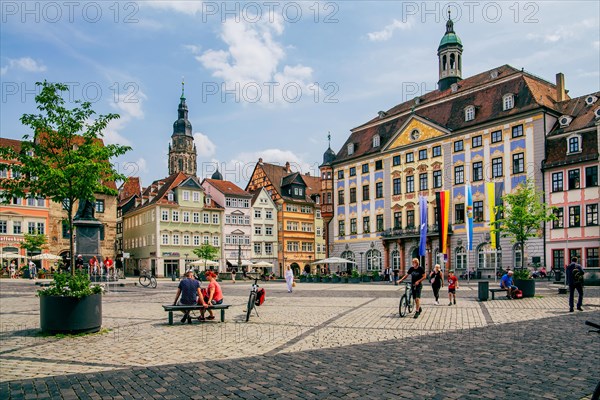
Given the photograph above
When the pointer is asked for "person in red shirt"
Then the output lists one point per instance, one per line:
(452, 286)
(109, 264)
(215, 295)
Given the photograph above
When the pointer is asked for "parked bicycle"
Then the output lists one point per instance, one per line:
(407, 302)
(252, 298)
(147, 279)
(596, 395)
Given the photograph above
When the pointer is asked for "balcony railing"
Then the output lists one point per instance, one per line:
(395, 233)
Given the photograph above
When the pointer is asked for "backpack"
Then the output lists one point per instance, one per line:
(518, 294)
(260, 296)
(577, 276)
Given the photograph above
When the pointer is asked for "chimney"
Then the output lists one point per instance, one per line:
(287, 167)
(560, 87)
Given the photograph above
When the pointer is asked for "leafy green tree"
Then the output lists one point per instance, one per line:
(523, 212)
(206, 252)
(65, 160)
(32, 242)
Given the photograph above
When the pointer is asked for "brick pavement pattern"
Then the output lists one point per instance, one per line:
(322, 341)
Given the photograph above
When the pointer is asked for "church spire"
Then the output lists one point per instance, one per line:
(182, 150)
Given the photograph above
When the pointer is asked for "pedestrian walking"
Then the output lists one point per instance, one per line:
(417, 275)
(233, 272)
(13, 270)
(437, 281)
(452, 286)
(575, 281)
(32, 269)
(289, 278)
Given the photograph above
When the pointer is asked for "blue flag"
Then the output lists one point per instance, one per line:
(423, 241)
(469, 218)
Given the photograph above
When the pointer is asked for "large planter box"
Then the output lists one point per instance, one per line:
(377, 278)
(326, 280)
(302, 278)
(366, 279)
(354, 280)
(71, 315)
(527, 286)
(335, 279)
(317, 279)
(345, 279)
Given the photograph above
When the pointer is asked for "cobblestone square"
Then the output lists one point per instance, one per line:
(322, 341)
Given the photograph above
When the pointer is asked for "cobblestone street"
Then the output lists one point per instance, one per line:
(322, 341)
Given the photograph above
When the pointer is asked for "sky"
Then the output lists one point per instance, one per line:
(269, 79)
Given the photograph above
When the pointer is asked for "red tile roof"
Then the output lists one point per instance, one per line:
(227, 188)
(446, 108)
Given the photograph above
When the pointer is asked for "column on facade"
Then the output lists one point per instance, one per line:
(386, 254)
(402, 257)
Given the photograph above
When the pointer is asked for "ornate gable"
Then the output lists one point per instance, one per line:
(416, 129)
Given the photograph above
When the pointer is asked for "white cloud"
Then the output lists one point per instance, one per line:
(27, 64)
(185, 7)
(563, 32)
(388, 31)
(204, 146)
(253, 59)
(129, 106)
(596, 45)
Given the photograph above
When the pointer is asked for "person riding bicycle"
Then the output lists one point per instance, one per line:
(417, 274)
(215, 295)
(189, 289)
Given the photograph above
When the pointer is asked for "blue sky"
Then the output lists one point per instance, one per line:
(270, 79)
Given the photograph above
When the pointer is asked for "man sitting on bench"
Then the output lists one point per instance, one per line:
(506, 283)
(189, 289)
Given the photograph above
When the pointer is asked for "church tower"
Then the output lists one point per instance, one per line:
(449, 57)
(182, 150)
(326, 170)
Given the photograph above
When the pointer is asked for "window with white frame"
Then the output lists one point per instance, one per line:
(268, 214)
(186, 195)
(175, 239)
(258, 230)
(196, 240)
(216, 241)
(469, 113)
(268, 248)
(269, 230)
(196, 217)
(164, 216)
(257, 248)
(350, 148)
(186, 216)
(175, 216)
(215, 218)
(186, 240)
(257, 213)
(508, 101)
(574, 144)
(165, 238)
(376, 141)
(205, 218)
(196, 197)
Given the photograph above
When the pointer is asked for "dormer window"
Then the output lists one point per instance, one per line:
(590, 100)
(376, 141)
(469, 113)
(597, 113)
(170, 196)
(564, 121)
(508, 101)
(350, 148)
(574, 144)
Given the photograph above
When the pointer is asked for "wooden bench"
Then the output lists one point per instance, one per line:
(171, 308)
(493, 291)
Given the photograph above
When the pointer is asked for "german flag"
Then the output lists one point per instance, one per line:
(442, 201)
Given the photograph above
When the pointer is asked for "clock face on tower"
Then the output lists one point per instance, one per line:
(415, 134)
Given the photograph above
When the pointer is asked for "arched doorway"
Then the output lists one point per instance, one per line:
(348, 255)
(373, 258)
(295, 268)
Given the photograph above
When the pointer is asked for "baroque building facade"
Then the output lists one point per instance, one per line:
(490, 127)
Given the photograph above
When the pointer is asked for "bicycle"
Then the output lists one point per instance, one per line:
(147, 279)
(407, 303)
(596, 395)
(252, 297)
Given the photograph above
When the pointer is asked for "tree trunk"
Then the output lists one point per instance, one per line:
(523, 254)
(72, 233)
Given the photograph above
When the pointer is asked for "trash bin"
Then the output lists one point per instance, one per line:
(483, 290)
(558, 275)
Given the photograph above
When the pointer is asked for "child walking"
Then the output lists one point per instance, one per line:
(452, 286)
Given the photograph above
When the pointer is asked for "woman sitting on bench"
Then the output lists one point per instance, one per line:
(506, 283)
(215, 295)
